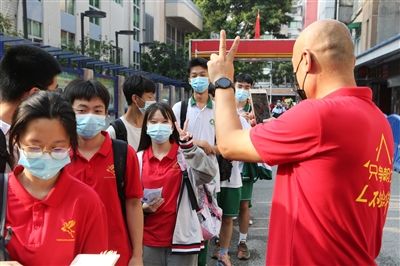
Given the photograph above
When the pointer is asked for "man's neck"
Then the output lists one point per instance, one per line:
(7, 111)
(241, 104)
(134, 117)
(88, 147)
(333, 84)
(201, 99)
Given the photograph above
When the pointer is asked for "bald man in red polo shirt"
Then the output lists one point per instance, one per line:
(334, 150)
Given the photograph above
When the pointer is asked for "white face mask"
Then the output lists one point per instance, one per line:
(146, 105)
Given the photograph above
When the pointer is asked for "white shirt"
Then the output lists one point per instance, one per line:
(235, 181)
(133, 133)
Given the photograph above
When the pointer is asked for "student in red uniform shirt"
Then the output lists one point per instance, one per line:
(94, 165)
(334, 151)
(172, 232)
(51, 216)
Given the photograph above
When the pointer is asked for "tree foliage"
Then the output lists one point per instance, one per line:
(162, 58)
(238, 17)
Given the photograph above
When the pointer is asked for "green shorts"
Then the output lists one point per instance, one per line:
(247, 190)
(229, 201)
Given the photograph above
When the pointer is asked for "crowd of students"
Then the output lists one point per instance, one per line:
(70, 187)
(75, 185)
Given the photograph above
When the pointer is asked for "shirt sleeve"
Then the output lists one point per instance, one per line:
(111, 132)
(294, 136)
(133, 188)
(177, 110)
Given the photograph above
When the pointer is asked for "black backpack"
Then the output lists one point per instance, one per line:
(120, 129)
(225, 166)
(4, 155)
(3, 205)
(120, 150)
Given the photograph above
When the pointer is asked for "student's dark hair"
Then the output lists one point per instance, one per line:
(198, 61)
(137, 85)
(45, 104)
(24, 67)
(167, 113)
(244, 78)
(79, 89)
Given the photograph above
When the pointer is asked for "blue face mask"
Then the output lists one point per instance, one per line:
(89, 125)
(44, 167)
(242, 95)
(146, 105)
(159, 133)
(199, 84)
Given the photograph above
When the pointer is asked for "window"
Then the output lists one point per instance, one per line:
(94, 3)
(68, 6)
(136, 19)
(94, 48)
(170, 34)
(180, 38)
(149, 26)
(136, 60)
(94, 20)
(67, 40)
(35, 28)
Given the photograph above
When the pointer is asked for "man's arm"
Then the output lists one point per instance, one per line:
(134, 218)
(233, 142)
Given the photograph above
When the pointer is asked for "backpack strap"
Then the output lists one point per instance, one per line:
(120, 150)
(4, 155)
(184, 107)
(3, 201)
(120, 129)
(192, 197)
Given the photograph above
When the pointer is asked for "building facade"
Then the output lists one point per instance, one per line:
(58, 23)
(376, 32)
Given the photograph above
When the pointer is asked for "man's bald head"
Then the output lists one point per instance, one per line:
(330, 41)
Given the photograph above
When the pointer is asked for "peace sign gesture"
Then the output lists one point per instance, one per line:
(184, 135)
(221, 65)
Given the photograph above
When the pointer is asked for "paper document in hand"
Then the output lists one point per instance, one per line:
(108, 259)
(149, 194)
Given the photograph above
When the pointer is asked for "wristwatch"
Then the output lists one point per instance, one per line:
(224, 83)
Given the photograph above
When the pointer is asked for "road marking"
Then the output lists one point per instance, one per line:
(258, 228)
(392, 218)
(391, 229)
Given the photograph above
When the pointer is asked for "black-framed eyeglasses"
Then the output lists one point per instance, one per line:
(300, 91)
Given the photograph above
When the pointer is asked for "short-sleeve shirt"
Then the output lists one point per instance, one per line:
(332, 190)
(99, 174)
(165, 174)
(132, 133)
(70, 220)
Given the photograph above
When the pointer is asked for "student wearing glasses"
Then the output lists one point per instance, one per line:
(51, 216)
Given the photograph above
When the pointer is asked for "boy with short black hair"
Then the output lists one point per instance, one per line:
(139, 94)
(24, 70)
(93, 164)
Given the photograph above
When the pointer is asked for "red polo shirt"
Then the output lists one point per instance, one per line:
(98, 173)
(69, 221)
(332, 190)
(165, 174)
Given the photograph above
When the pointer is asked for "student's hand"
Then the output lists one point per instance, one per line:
(269, 119)
(184, 135)
(221, 65)
(153, 206)
(208, 149)
(135, 261)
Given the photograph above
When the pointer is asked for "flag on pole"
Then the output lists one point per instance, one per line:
(257, 27)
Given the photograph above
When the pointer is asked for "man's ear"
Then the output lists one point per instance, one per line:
(30, 92)
(308, 60)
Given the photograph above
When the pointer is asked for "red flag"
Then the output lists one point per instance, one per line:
(257, 27)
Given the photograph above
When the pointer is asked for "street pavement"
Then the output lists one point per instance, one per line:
(258, 232)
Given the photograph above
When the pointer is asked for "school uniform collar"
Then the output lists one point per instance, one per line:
(105, 148)
(170, 155)
(53, 198)
(209, 102)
